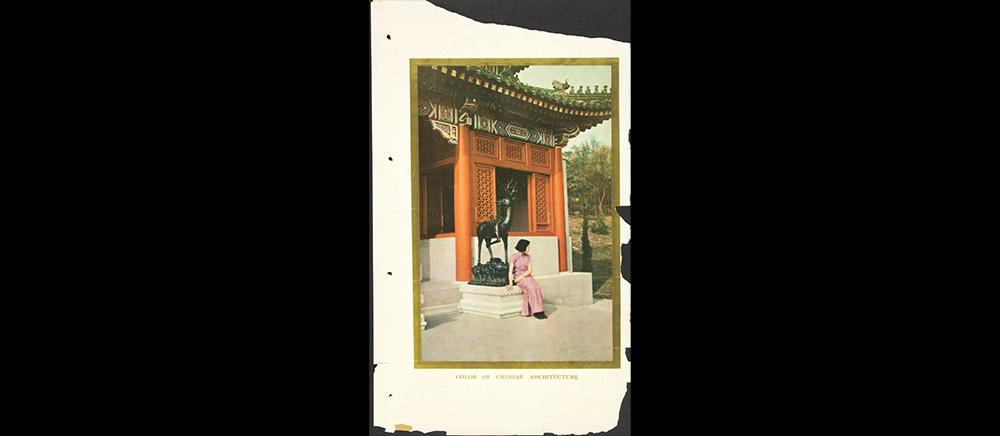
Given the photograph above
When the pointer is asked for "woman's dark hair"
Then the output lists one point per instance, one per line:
(522, 245)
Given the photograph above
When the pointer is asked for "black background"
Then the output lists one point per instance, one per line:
(234, 211)
(595, 19)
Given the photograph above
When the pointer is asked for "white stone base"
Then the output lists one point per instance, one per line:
(567, 289)
(494, 302)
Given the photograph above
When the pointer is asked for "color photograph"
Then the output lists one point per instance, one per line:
(516, 239)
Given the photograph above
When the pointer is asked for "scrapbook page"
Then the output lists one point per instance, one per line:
(499, 155)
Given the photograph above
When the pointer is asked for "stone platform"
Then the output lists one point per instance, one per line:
(440, 297)
(567, 289)
(571, 289)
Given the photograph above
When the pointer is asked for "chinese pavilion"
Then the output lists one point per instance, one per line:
(479, 128)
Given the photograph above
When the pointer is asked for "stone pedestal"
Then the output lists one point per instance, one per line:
(491, 301)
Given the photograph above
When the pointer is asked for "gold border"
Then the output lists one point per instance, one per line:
(415, 209)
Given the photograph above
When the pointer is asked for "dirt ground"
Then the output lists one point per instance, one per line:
(601, 255)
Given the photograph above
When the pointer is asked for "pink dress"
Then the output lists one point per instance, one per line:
(530, 290)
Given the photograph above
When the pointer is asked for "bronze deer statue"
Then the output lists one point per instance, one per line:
(496, 229)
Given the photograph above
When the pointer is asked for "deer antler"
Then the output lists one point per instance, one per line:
(511, 187)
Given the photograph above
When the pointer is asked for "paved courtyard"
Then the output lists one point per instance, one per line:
(569, 334)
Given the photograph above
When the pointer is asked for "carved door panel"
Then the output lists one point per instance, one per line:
(541, 200)
(486, 188)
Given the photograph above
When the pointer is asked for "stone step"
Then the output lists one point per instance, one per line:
(437, 310)
(601, 306)
(440, 293)
(432, 286)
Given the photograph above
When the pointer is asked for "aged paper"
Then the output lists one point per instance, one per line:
(493, 314)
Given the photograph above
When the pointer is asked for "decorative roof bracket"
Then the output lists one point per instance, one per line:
(447, 131)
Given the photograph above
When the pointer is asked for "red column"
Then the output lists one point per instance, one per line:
(463, 205)
(558, 208)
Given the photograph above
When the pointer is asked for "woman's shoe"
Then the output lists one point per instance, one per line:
(541, 315)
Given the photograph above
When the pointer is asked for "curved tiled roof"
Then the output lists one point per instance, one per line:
(598, 101)
(586, 107)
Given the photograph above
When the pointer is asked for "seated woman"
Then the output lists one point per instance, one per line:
(520, 275)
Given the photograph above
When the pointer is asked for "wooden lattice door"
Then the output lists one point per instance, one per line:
(486, 188)
(541, 200)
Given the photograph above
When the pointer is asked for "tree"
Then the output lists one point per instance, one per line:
(588, 179)
(586, 251)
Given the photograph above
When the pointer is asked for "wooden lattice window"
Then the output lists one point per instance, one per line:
(513, 151)
(486, 204)
(487, 146)
(541, 199)
(539, 156)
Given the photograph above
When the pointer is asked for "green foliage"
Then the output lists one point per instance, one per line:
(588, 178)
